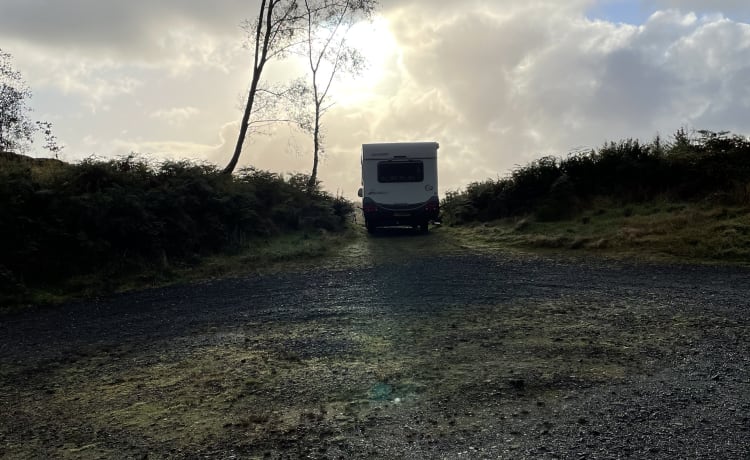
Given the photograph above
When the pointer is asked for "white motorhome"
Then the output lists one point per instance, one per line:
(399, 184)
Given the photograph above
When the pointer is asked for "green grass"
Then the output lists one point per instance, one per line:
(274, 253)
(659, 230)
(260, 255)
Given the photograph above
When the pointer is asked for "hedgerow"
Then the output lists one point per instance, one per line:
(59, 220)
(699, 165)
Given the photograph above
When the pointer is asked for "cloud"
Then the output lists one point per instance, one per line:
(496, 83)
(175, 115)
(124, 29)
(505, 85)
(727, 7)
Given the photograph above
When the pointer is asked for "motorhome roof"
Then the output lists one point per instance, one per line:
(400, 149)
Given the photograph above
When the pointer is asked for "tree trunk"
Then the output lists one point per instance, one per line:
(259, 60)
(243, 126)
(316, 149)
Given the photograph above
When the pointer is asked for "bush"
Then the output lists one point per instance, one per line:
(121, 214)
(692, 167)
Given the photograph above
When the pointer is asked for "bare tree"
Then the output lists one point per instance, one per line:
(16, 128)
(328, 54)
(273, 34)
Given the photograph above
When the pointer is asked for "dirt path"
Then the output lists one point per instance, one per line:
(392, 350)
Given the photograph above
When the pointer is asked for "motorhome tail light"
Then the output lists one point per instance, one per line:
(369, 206)
(433, 204)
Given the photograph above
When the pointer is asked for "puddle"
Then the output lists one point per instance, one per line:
(380, 392)
(385, 392)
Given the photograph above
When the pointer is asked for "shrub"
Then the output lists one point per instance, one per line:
(698, 165)
(121, 214)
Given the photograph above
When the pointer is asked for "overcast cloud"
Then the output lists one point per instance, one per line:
(496, 83)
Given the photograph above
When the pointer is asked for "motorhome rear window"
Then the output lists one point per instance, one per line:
(400, 171)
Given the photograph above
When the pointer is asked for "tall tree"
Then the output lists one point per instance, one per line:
(328, 54)
(273, 34)
(16, 128)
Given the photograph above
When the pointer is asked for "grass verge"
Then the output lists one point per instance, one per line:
(258, 255)
(660, 230)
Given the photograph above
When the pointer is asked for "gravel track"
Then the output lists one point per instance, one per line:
(412, 355)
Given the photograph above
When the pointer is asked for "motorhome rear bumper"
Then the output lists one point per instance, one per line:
(377, 214)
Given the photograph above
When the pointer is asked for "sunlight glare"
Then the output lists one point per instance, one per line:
(376, 42)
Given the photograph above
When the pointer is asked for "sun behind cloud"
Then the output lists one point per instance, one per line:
(376, 42)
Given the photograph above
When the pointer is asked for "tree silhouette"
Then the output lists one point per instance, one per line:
(16, 128)
(328, 54)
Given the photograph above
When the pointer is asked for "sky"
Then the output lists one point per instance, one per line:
(496, 83)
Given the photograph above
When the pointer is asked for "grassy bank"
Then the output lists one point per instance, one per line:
(655, 230)
(260, 255)
(686, 199)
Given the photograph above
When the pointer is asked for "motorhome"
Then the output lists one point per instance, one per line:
(399, 184)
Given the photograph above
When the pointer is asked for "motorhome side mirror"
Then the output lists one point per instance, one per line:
(359, 192)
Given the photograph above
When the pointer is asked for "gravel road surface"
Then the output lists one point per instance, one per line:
(390, 351)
